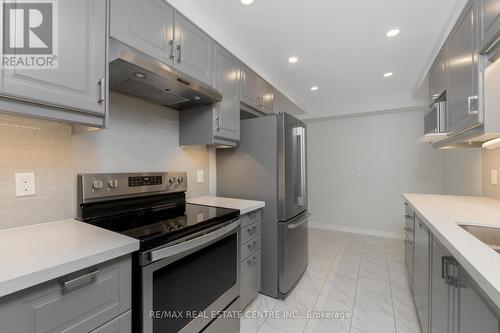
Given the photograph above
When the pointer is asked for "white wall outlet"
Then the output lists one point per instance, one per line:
(494, 177)
(25, 184)
(199, 176)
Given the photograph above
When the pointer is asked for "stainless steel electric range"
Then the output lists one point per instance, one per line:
(187, 267)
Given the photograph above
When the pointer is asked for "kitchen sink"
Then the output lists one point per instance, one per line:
(488, 235)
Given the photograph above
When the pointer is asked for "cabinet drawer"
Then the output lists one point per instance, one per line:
(250, 279)
(250, 232)
(250, 247)
(226, 325)
(122, 324)
(79, 302)
(251, 218)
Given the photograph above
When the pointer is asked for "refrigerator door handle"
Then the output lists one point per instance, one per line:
(300, 132)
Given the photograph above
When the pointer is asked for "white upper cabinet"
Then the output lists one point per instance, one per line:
(79, 82)
(146, 25)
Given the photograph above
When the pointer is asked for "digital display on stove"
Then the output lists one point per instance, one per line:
(144, 181)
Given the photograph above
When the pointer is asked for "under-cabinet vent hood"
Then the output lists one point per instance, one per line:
(137, 74)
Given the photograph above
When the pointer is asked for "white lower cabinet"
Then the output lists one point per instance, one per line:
(250, 268)
(80, 302)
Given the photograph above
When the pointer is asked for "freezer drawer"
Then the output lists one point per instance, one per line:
(293, 251)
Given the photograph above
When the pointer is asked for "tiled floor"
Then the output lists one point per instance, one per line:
(361, 276)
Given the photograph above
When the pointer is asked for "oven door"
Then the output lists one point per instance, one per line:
(200, 274)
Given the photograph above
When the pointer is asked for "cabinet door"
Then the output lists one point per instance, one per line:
(266, 96)
(121, 324)
(79, 81)
(438, 76)
(146, 25)
(250, 279)
(490, 22)
(462, 108)
(422, 273)
(249, 87)
(441, 307)
(474, 315)
(227, 112)
(194, 50)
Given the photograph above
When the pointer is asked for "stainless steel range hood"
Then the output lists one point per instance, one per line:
(137, 74)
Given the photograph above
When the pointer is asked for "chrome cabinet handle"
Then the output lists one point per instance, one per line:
(171, 43)
(67, 283)
(252, 245)
(100, 82)
(252, 229)
(179, 49)
(472, 107)
(217, 119)
(251, 261)
(435, 96)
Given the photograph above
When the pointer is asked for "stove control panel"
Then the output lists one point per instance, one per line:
(100, 186)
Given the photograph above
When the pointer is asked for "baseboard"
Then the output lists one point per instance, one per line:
(354, 230)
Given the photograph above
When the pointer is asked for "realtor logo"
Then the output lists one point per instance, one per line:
(29, 36)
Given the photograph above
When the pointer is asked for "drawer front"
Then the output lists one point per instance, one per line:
(122, 324)
(251, 218)
(250, 279)
(90, 299)
(250, 247)
(250, 232)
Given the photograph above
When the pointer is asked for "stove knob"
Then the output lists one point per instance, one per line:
(172, 180)
(180, 180)
(113, 183)
(97, 184)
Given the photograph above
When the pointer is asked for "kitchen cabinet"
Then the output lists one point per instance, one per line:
(458, 305)
(146, 25)
(489, 25)
(216, 125)
(281, 103)
(409, 231)
(438, 76)
(462, 94)
(121, 324)
(227, 112)
(194, 50)
(250, 268)
(256, 92)
(421, 285)
(80, 302)
(441, 299)
(76, 91)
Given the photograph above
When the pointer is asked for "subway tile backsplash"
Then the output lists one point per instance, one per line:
(141, 137)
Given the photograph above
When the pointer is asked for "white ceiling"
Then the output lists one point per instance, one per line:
(341, 46)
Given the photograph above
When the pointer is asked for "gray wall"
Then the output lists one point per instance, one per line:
(359, 166)
(141, 137)
(462, 171)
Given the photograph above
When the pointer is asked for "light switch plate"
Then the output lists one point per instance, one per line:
(200, 176)
(494, 177)
(25, 184)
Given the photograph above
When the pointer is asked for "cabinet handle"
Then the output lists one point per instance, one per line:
(251, 230)
(252, 245)
(100, 82)
(472, 107)
(67, 283)
(217, 119)
(251, 261)
(179, 49)
(171, 43)
(435, 96)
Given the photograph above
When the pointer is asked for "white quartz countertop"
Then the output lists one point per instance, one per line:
(442, 214)
(39, 253)
(245, 206)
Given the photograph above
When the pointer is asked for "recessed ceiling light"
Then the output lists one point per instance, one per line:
(247, 2)
(293, 60)
(140, 75)
(392, 33)
(314, 88)
(389, 74)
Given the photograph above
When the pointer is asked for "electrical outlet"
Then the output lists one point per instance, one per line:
(199, 176)
(494, 177)
(25, 184)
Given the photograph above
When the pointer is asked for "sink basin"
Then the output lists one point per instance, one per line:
(488, 235)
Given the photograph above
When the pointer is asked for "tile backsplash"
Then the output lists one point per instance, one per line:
(141, 137)
(491, 161)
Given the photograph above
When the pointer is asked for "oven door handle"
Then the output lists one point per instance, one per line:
(193, 244)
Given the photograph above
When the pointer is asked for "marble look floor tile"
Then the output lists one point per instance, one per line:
(266, 328)
(310, 284)
(326, 326)
(374, 284)
(368, 319)
(301, 299)
(340, 288)
(404, 326)
(252, 318)
(289, 318)
(379, 302)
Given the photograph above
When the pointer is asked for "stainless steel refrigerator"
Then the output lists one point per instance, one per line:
(270, 165)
